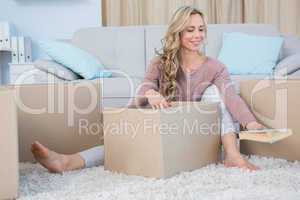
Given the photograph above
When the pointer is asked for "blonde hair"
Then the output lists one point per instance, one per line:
(169, 56)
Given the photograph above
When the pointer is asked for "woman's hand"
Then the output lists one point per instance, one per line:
(156, 100)
(254, 126)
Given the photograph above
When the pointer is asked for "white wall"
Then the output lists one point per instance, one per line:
(49, 19)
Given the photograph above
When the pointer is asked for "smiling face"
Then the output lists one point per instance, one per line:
(193, 35)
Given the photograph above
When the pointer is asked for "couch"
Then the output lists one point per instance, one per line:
(127, 51)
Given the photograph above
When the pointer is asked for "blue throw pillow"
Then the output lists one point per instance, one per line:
(76, 59)
(250, 54)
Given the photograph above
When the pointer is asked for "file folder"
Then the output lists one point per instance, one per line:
(28, 55)
(5, 33)
(1, 35)
(14, 50)
(24, 44)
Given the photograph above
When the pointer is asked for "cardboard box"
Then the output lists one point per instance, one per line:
(64, 116)
(161, 143)
(9, 171)
(275, 103)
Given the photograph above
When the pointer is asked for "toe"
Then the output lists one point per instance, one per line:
(39, 150)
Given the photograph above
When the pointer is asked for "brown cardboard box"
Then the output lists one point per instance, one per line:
(9, 171)
(275, 103)
(161, 143)
(64, 116)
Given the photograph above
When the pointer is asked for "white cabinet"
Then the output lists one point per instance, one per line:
(14, 49)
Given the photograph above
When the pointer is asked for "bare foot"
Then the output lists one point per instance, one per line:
(54, 162)
(239, 161)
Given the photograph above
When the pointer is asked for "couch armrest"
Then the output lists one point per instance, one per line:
(288, 65)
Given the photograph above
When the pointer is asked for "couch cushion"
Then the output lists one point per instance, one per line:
(120, 48)
(52, 67)
(291, 45)
(295, 75)
(250, 54)
(288, 65)
(215, 34)
(74, 58)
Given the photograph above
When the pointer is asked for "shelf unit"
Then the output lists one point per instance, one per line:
(13, 49)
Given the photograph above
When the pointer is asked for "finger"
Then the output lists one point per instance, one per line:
(154, 106)
(259, 127)
(161, 105)
(165, 104)
(169, 104)
(263, 127)
(157, 106)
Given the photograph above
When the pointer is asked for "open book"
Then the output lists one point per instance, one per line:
(265, 135)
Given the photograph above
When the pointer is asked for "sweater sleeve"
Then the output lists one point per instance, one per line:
(234, 103)
(150, 81)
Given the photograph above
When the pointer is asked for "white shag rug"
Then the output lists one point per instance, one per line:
(278, 179)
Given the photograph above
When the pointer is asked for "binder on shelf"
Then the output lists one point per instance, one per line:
(1, 35)
(6, 31)
(14, 50)
(28, 56)
(24, 44)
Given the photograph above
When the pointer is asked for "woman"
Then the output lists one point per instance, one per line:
(180, 72)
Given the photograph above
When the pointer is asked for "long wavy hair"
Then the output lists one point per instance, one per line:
(169, 54)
